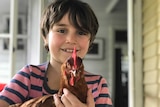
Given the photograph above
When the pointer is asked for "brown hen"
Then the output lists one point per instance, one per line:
(72, 78)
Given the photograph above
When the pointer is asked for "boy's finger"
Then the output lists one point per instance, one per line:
(57, 101)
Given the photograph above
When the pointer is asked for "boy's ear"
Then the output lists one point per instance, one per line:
(46, 46)
(45, 39)
(46, 43)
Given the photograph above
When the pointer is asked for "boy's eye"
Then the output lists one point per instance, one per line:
(82, 33)
(61, 31)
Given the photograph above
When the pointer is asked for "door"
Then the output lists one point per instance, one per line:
(13, 38)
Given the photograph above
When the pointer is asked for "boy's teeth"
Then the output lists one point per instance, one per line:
(68, 50)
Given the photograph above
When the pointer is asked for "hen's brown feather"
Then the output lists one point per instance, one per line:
(44, 101)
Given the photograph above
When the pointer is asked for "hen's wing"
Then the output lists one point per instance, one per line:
(44, 101)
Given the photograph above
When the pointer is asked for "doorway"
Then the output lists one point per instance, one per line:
(121, 69)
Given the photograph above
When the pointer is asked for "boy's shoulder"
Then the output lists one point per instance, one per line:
(39, 66)
(86, 73)
(92, 77)
(35, 68)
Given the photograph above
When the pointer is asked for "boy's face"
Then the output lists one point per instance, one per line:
(62, 39)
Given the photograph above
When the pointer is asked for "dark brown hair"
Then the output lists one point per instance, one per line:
(80, 15)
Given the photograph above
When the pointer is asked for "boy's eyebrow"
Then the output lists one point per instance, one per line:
(60, 24)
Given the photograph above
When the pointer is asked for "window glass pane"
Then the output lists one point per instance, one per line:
(4, 12)
(4, 60)
(22, 16)
(21, 52)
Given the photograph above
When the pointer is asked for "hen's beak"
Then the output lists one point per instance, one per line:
(74, 73)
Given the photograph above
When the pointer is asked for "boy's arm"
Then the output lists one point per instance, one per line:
(104, 99)
(3, 103)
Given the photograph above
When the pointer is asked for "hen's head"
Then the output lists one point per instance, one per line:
(73, 68)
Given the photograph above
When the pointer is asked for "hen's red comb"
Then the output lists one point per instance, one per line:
(74, 55)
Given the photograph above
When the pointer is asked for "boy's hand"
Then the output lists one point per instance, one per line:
(69, 100)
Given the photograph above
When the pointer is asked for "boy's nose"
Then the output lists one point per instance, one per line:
(71, 39)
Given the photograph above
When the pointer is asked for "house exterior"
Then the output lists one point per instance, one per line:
(151, 52)
(144, 52)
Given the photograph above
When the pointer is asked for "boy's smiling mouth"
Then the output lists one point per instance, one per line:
(68, 50)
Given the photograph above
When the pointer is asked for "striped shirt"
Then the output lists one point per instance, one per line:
(30, 82)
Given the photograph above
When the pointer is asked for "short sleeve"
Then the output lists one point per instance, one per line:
(103, 99)
(16, 91)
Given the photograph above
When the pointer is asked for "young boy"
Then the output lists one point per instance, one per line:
(65, 24)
